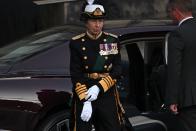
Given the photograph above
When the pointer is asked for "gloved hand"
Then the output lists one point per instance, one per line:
(92, 93)
(86, 111)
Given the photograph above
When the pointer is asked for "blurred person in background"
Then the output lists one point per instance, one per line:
(181, 80)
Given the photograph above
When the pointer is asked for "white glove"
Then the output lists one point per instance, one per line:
(86, 111)
(92, 93)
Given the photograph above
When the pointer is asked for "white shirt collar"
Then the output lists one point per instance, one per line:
(190, 17)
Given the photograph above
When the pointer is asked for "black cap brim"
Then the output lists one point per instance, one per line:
(85, 16)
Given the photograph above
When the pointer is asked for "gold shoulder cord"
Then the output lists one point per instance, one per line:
(78, 36)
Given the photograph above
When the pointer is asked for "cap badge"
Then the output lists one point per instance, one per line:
(97, 12)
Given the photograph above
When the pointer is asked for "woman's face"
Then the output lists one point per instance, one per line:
(94, 26)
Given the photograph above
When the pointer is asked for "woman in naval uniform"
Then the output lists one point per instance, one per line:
(95, 67)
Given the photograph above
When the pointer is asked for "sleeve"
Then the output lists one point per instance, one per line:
(175, 54)
(109, 81)
(77, 78)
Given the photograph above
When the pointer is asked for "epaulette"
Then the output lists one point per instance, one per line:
(113, 35)
(78, 36)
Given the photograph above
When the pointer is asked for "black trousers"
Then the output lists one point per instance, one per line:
(104, 116)
(187, 117)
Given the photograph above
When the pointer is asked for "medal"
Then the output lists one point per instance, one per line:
(108, 49)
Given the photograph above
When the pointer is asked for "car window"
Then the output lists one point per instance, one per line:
(141, 61)
(24, 48)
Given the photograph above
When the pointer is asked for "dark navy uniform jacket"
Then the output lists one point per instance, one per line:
(181, 80)
(101, 55)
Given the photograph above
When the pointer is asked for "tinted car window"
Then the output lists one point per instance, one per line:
(141, 60)
(22, 49)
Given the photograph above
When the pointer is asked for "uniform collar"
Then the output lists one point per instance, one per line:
(190, 17)
(92, 37)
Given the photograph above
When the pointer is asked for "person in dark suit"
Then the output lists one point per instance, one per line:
(95, 67)
(181, 80)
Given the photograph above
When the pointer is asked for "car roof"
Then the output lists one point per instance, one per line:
(118, 27)
(123, 27)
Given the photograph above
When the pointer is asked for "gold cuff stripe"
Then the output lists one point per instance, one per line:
(82, 88)
(104, 85)
(109, 81)
(110, 78)
(82, 91)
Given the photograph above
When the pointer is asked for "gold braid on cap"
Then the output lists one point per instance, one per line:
(97, 12)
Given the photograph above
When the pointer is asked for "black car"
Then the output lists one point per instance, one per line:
(35, 85)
